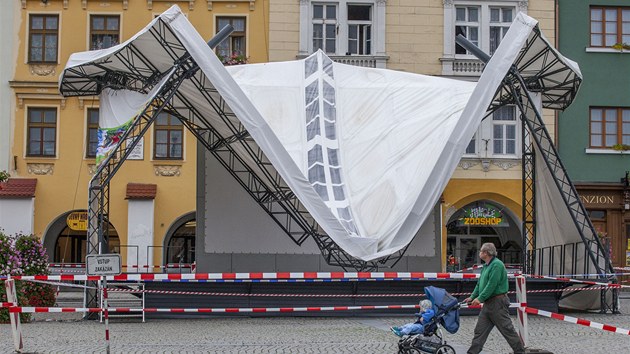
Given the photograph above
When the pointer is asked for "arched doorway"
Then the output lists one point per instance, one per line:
(66, 245)
(480, 222)
(179, 243)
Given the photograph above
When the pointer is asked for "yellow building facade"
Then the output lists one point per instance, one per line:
(408, 35)
(53, 138)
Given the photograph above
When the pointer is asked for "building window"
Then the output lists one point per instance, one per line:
(327, 35)
(168, 137)
(104, 31)
(325, 28)
(504, 131)
(482, 25)
(342, 27)
(500, 21)
(233, 47)
(467, 24)
(609, 127)
(482, 22)
(92, 132)
(181, 246)
(43, 38)
(471, 149)
(360, 29)
(609, 26)
(42, 132)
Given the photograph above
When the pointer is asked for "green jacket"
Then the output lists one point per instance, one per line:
(493, 281)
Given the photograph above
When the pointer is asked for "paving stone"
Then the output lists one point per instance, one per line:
(66, 333)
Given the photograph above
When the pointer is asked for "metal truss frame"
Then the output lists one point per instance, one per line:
(268, 190)
(520, 82)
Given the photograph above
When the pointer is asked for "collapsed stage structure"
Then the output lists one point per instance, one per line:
(354, 159)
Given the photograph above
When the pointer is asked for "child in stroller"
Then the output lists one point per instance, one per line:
(424, 316)
(431, 340)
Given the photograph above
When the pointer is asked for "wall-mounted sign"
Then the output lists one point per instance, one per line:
(77, 220)
(483, 214)
(138, 151)
(628, 258)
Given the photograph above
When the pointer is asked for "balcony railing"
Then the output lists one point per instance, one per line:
(461, 67)
(367, 61)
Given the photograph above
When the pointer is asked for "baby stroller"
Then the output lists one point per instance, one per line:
(446, 309)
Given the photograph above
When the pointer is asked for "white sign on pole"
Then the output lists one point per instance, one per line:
(103, 264)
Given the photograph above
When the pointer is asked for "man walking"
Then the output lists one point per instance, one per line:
(491, 291)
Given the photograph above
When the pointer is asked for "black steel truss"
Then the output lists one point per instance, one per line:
(554, 80)
(528, 187)
(265, 185)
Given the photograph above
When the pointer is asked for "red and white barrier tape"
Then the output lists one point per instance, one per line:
(175, 292)
(25, 309)
(257, 276)
(82, 265)
(15, 309)
(66, 265)
(512, 305)
(479, 266)
(576, 320)
(569, 280)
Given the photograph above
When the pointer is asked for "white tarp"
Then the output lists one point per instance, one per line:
(367, 151)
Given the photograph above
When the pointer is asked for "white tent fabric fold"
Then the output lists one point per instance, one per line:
(367, 151)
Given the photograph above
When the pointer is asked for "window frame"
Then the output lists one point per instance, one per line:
(453, 64)
(377, 23)
(324, 22)
(43, 32)
(619, 25)
(168, 128)
(235, 34)
(483, 139)
(619, 134)
(505, 123)
(89, 126)
(91, 31)
(41, 125)
(367, 35)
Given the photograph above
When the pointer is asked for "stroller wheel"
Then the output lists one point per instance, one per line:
(445, 349)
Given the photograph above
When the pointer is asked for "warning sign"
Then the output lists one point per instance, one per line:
(103, 264)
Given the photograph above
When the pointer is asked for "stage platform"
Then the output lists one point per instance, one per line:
(342, 293)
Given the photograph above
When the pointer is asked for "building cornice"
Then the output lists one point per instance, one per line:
(33, 84)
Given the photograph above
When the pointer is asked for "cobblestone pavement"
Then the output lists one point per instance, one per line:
(65, 333)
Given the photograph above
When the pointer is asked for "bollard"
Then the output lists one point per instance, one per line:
(521, 298)
(16, 327)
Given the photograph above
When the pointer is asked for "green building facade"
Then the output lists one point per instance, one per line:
(593, 134)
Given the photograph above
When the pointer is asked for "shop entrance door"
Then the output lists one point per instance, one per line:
(468, 251)
(464, 249)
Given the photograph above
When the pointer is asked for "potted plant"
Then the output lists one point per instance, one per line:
(621, 147)
(235, 59)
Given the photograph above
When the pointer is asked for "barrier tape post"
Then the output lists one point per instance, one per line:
(106, 314)
(521, 298)
(16, 327)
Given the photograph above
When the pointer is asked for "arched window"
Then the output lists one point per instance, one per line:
(71, 245)
(181, 245)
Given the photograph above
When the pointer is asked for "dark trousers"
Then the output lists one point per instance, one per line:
(495, 313)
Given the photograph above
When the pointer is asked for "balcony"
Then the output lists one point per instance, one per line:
(461, 67)
(367, 61)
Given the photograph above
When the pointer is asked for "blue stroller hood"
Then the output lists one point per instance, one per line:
(445, 306)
